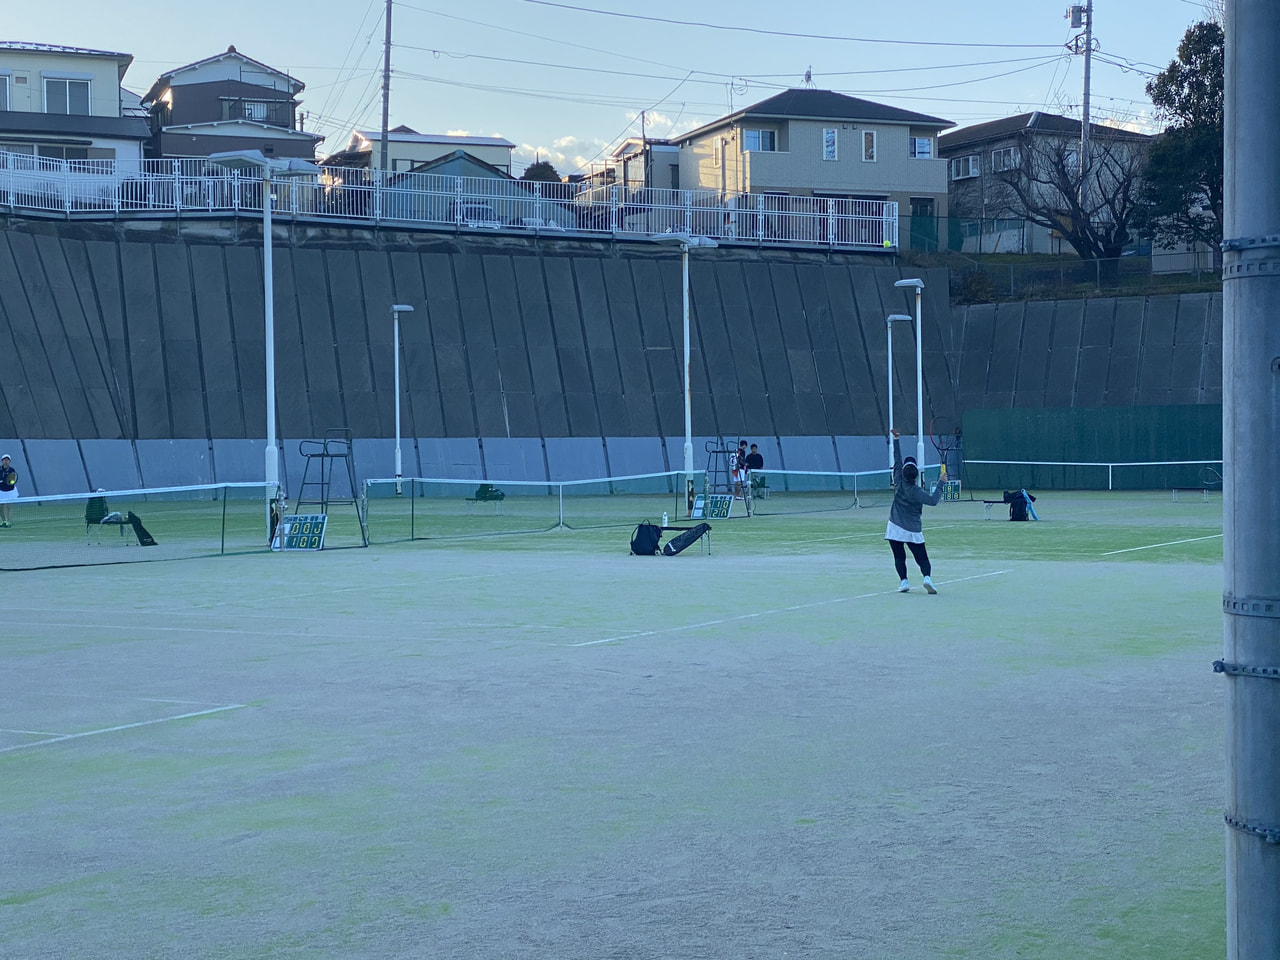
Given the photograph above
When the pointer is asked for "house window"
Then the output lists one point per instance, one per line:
(67, 96)
(829, 144)
(255, 110)
(763, 140)
(921, 147)
(1005, 158)
(49, 151)
(869, 145)
(4, 93)
(962, 168)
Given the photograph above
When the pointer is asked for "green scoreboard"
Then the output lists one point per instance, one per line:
(950, 489)
(711, 506)
(303, 531)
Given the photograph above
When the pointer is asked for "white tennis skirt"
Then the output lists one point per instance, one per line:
(9, 494)
(895, 532)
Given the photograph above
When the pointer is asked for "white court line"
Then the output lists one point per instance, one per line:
(33, 733)
(1152, 546)
(123, 726)
(769, 613)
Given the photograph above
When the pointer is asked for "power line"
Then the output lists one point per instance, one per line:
(536, 36)
(785, 33)
(346, 57)
(721, 77)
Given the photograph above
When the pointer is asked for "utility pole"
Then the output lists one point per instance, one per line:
(1083, 16)
(386, 86)
(644, 151)
(1250, 507)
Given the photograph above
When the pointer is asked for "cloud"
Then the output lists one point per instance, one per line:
(457, 133)
(568, 154)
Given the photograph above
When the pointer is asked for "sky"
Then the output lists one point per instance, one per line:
(567, 81)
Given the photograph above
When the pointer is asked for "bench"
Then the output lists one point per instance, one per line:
(1204, 493)
(486, 493)
(98, 517)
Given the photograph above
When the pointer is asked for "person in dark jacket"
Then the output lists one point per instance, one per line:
(905, 528)
(8, 491)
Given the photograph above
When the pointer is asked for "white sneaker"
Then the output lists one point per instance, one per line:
(904, 586)
(928, 585)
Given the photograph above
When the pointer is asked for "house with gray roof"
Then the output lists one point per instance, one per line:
(986, 214)
(802, 144)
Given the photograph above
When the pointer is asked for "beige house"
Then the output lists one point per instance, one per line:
(406, 148)
(801, 147)
(66, 103)
(821, 144)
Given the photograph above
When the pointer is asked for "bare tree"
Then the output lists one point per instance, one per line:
(1215, 11)
(1045, 188)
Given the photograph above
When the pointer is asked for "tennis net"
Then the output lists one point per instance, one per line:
(129, 526)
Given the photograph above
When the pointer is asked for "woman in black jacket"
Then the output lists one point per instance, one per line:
(906, 528)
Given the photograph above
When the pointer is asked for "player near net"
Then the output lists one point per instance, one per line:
(905, 528)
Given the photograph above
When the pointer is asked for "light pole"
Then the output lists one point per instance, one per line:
(686, 241)
(919, 285)
(396, 310)
(293, 167)
(891, 320)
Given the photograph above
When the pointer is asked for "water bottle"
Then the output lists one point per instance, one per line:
(664, 519)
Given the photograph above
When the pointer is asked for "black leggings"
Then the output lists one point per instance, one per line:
(900, 558)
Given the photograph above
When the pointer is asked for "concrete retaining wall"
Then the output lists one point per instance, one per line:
(156, 335)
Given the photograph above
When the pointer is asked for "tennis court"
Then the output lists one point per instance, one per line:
(537, 746)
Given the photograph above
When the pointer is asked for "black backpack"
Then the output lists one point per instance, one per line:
(644, 542)
(1017, 501)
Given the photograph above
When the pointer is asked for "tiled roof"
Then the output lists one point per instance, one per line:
(829, 105)
(58, 48)
(1036, 122)
(806, 104)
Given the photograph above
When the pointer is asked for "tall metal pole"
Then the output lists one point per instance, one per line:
(894, 318)
(688, 396)
(1084, 124)
(272, 462)
(919, 388)
(396, 310)
(919, 285)
(386, 86)
(890, 382)
(1250, 506)
(395, 325)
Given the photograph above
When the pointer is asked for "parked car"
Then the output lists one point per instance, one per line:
(472, 213)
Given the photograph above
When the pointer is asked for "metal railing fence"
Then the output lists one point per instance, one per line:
(102, 188)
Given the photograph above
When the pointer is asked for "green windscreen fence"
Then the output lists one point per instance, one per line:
(1116, 448)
